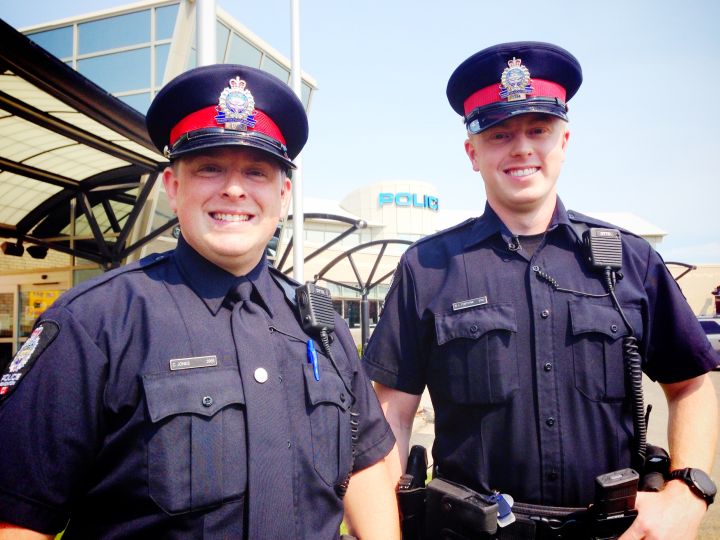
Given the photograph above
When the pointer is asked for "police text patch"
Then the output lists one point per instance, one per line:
(41, 337)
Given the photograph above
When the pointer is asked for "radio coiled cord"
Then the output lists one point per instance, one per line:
(631, 356)
(633, 368)
(341, 487)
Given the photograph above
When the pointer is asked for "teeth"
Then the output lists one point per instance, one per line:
(230, 217)
(523, 172)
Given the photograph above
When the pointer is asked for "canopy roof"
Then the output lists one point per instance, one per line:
(76, 163)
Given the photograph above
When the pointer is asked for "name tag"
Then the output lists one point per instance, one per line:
(481, 301)
(192, 363)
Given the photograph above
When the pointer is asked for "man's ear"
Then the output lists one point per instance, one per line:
(171, 182)
(285, 194)
(471, 153)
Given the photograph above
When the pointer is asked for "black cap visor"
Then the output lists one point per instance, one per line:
(203, 139)
(487, 116)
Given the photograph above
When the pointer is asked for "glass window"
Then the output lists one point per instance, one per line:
(305, 94)
(352, 313)
(32, 305)
(114, 32)
(6, 314)
(58, 41)
(241, 52)
(161, 56)
(222, 33)
(337, 306)
(84, 274)
(272, 67)
(139, 102)
(165, 21)
(6, 355)
(119, 72)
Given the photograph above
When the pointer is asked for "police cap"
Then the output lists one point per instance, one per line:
(513, 78)
(227, 105)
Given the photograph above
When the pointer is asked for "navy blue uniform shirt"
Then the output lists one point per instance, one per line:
(106, 431)
(528, 382)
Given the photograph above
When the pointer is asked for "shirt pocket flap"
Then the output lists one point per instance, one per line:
(474, 323)
(203, 392)
(329, 389)
(588, 318)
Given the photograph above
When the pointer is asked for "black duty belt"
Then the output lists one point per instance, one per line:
(535, 522)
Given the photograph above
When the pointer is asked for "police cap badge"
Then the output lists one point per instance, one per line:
(513, 78)
(228, 105)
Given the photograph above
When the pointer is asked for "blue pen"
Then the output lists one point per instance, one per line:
(313, 359)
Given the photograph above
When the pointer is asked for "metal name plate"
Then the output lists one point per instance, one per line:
(481, 301)
(192, 363)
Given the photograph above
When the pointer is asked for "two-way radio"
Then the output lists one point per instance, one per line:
(317, 316)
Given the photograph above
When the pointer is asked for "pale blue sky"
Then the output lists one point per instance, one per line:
(645, 125)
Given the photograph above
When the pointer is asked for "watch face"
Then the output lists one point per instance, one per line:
(703, 482)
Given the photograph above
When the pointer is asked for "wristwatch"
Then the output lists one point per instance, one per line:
(699, 482)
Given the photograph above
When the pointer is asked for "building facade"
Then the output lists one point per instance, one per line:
(351, 246)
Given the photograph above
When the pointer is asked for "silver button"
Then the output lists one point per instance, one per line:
(207, 401)
(261, 375)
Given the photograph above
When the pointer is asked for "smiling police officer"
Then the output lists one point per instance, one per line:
(522, 342)
(178, 397)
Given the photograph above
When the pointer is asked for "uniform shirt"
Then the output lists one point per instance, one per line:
(528, 382)
(103, 432)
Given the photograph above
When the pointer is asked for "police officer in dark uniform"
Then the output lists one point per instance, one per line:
(516, 336)
(181, 397)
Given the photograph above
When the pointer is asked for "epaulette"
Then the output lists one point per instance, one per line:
(286, 283)
(581, 222)
(146, 262)
(443, 232)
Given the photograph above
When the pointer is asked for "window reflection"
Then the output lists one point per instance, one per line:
(241, 52)
(119, 72)
(222, 33)
(58, 41)
(139, 102)
(161, 56)
(272, 67)
(165, 21)
(114, 32)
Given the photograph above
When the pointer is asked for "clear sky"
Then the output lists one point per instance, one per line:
(645, 125)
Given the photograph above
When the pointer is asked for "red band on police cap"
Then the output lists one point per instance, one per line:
(205, 118)
(491, 94)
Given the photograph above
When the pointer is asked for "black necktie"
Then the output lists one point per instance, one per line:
(270, 457)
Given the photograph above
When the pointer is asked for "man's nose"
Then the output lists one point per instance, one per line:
(234, 187)
(521, 146)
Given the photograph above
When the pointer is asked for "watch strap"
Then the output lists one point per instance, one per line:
(707, 493)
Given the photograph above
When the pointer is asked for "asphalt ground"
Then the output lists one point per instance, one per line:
(423, 433)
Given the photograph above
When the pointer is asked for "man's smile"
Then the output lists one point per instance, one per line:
(527, 171)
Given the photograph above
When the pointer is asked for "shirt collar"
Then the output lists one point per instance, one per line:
(490, 224)
(212, 284)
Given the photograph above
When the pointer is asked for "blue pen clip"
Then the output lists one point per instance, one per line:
(313, 359)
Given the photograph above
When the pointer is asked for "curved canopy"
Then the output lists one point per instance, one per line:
(76, 163)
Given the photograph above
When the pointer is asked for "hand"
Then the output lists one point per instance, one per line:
(672, 514)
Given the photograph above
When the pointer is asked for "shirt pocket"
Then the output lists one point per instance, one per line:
(330, 425)
(475, 360)
(196, 446)
(597, 349)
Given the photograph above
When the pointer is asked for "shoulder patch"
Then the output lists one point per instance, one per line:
(43, 334)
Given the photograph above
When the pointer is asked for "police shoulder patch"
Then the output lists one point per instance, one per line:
(43, 334)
